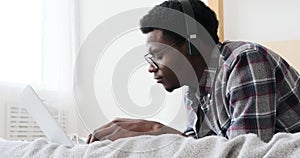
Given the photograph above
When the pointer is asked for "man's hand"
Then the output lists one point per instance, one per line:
(122, 128)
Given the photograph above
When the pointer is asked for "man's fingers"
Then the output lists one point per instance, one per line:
(101, 134)
(104, 133)
(105, 130)
(93, 139)
(89, 138)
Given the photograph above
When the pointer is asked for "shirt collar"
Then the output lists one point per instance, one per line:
(207, 77)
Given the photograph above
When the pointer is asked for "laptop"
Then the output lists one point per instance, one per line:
(37, 109)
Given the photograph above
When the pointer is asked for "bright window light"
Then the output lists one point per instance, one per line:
(20, 41)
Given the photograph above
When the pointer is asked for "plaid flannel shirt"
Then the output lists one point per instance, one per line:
(255, 91)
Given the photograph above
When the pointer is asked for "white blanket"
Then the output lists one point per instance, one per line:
(282, 145)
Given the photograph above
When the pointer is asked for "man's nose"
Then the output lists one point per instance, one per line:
(152, 69)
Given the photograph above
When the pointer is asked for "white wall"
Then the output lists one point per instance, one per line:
(273, 23)
(93, 12)
(289, 50)
(261, 20)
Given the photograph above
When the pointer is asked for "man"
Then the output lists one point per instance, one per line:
(252, 89)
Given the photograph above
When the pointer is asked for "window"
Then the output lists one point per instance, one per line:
(21, 41)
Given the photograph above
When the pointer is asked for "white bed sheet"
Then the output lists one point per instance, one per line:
(169, 145)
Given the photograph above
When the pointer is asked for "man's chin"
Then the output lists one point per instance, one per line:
(170, 88)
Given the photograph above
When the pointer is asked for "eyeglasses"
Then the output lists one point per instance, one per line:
(151, 59)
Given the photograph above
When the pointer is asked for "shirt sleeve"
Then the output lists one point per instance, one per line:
(251, 95)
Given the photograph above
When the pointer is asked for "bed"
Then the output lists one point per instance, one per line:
(168, 145)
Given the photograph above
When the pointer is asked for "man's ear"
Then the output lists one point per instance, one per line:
(182, 48)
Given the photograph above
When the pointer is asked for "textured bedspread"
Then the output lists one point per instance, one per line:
(282, 145)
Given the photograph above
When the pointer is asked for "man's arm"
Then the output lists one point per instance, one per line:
(251, 89)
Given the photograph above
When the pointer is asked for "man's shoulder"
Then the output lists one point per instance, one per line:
(231, 50)
(238, 47)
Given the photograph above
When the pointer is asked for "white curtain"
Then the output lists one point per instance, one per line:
(60, 44)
